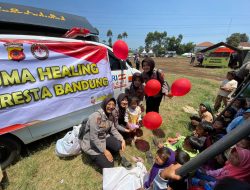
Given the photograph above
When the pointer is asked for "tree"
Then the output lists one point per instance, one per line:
(236, 38)
(109, 35)
(188, 47)
(119, 36)
(140, 49)
(157, 42)
(124, 35)
(174, 44)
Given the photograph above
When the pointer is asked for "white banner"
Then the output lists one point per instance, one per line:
(40, 80)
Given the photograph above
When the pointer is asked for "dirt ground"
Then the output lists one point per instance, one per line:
(183, 66)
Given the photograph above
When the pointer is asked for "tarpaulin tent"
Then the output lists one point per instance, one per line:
(223, 49)
(218, 57)
(207, 51)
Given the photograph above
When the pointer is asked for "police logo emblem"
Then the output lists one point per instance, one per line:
(39, 51)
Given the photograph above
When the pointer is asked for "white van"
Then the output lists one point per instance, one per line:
(12, 137)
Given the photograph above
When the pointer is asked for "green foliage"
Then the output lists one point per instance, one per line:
(156, 41)
(124, 35)
(119, 36)
(174, 44)
(188, 47)
(236, 38)
(160, 43)
(109, 35)
(140, 49)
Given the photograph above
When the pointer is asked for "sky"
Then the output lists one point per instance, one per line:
(196, 20)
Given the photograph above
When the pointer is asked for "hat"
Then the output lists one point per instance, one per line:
(247, 111)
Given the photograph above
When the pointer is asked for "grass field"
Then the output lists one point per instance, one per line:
(41, 169)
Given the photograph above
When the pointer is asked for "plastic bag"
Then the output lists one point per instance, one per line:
(69, 145)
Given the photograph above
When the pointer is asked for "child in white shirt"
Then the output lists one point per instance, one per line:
(133, 114)
(227, 88)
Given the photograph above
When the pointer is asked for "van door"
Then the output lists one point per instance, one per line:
(119, 71)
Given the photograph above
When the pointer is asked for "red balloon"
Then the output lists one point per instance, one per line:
(152, 87)
(152, 120)
(180, 87)
(120, 49)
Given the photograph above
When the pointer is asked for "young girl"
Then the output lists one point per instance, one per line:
(237, 167)
(228, 115)
(227, 87)
(244, 143)
(122, 102)
(136, 88)
(240, 105)
(203, 131)
(219, 126)
(149, 72)
(189, 144)
(181, 157)
(219, 129)
(164, 158)
(133, 114)
(205, 114)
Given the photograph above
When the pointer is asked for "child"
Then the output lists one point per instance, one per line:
(181, 157)
(133, 114)
(203, 131)
(219, 129)
(136, 88)
(237, 167)
(228, 115)
(240, 105)
(205, 114)
(122, 102)
(219, 126)
(164, 158)
(189, 144)
(223, 157)
(227, 88)
(244, 143)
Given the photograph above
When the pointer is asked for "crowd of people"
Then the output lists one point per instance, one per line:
(109, 129)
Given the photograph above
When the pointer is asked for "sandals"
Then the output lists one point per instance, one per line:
(150, 158)
(125, 163)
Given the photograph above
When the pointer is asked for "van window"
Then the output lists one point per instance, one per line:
(116, 64)
(245, 93)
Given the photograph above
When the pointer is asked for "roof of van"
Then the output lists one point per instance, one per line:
(18, 17)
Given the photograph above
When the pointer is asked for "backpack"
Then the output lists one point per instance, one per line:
(69, 145)
(165, 88)
(82, 131)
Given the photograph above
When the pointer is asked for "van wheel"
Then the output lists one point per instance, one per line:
(9, 150)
